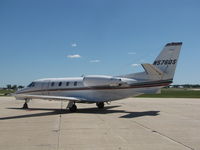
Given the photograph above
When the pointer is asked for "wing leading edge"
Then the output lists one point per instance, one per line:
(47, 97)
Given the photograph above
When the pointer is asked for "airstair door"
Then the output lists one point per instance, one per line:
(45, 88)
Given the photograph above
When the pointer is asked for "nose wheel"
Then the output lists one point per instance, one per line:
(73, 108)
(100, 105)
(25, 106)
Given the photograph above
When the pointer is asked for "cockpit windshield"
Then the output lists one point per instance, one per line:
(32, 84)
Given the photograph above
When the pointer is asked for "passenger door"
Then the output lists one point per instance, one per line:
(45, 88)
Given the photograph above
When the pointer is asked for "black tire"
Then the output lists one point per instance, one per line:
(73, 108)
(100, 105)
(25, 106)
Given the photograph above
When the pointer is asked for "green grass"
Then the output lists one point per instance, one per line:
(174, 93)
(6, 92)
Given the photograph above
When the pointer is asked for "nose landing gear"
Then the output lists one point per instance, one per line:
(25, 106)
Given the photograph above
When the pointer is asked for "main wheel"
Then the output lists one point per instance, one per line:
(73, 108)
(100, 105)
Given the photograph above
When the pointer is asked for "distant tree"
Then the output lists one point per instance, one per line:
(186, 86)
(196, 86)
(175, 86)
(9, 86)
(14, 87)
(167, 87)
(20, 87)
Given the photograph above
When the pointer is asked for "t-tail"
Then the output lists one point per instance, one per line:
(167, 60)
(164, 66)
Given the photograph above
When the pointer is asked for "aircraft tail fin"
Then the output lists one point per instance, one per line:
(163, 68)
(167, 60)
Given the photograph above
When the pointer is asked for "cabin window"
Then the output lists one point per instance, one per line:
(60, 83)
(67, 83)
(75, 83)
(31, 85)
(52, 84)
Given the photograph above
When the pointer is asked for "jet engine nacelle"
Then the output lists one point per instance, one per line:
(101, 81)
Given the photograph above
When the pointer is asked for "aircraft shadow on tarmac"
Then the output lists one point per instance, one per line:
(106, 110)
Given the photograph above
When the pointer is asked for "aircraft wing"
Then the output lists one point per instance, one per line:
(48, 97)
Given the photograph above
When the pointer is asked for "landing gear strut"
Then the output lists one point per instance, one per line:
(100, 105)
(25, 106)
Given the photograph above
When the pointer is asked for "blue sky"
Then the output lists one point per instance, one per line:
(39, 37)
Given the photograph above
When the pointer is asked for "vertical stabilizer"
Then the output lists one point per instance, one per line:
(164, 66)
(167, 59)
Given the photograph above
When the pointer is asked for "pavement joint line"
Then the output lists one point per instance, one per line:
(161, 134)
(59, 125)
(98, 116)
(174, 140)
(108, 129)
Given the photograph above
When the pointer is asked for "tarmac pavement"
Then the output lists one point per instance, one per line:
(133, 123)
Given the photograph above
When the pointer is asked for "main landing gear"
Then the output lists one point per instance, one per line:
(100, 105)
(25, 106)
(72, 106)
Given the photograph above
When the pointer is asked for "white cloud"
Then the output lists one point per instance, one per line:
(74, 45)
(74, 56)
(95, 61)
(131, 53)
(135, 65)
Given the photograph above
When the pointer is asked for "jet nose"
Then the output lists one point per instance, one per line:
(17, 92)
(20, 91)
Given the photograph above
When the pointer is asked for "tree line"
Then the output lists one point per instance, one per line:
(184, 86)
(13, 87)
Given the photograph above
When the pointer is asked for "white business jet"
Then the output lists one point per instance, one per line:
(100, 89)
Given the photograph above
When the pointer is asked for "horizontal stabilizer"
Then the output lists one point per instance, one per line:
(152, 70)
